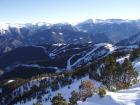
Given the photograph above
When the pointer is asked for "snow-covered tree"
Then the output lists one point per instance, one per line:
(74, 98)
(58, 100)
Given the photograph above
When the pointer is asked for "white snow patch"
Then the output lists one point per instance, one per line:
(10, 81)
(90, 42)
(4, 26)
(124, 97)
(121, 60)
(43, 24)
(137, 66)
(60, 33)
(58, 44)
(54, 33)
(109, 46)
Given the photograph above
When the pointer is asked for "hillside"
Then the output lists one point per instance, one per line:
(54, 57)
(126, 97)
(26, 90)
(123, 97)
(133, 40)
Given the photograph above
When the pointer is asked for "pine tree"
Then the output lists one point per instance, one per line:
(129, 72)
(135, 54)
(102, 91)
(38, 100)
(119, 71)
(109, 71)
(58, 100)
(74, 98)
(37, 103)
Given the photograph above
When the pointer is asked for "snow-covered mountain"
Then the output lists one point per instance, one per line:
(116, 29)
(13, 36)
(111, 31)
(117, 21)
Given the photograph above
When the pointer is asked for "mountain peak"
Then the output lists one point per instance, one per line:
(4, 26)
(88, 21)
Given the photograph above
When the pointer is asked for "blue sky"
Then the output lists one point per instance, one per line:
(15, 11)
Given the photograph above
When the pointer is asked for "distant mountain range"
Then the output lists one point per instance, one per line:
(89, 31)
(115, 29)
(133, 40)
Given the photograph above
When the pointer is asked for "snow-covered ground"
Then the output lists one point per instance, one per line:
(129, 96)
(124, 97)
(121, 60)
(65, 91)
